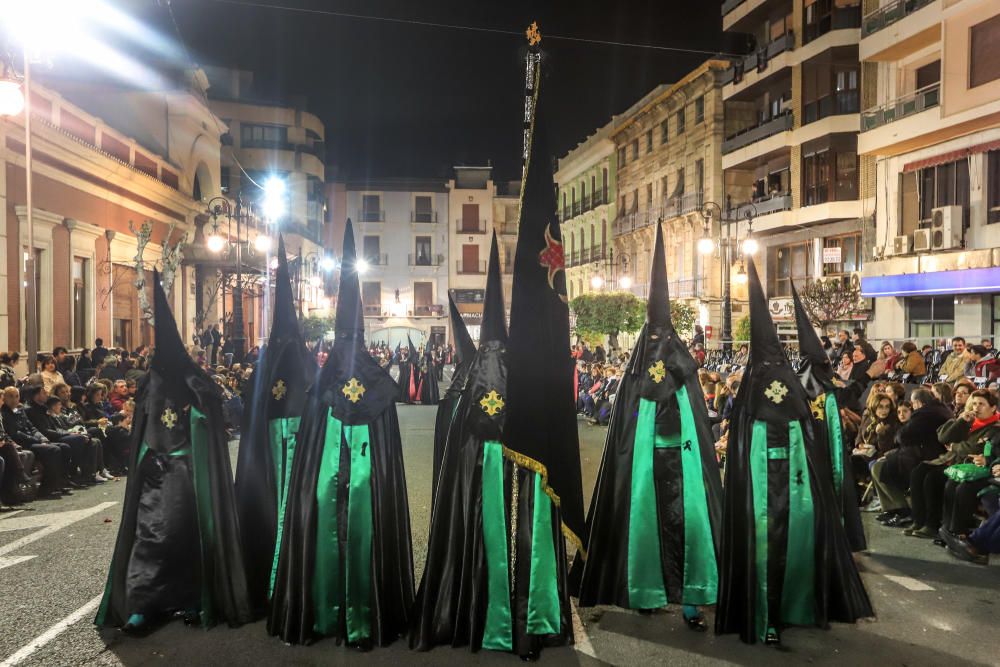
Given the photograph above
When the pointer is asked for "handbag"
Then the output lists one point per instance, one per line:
(970, 472)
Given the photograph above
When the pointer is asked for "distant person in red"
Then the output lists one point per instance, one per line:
(119, 394)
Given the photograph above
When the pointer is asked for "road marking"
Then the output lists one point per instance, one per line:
(13, 560)
(908, 583)
(41, 640)
(581, 641)
(52, 522)
(7, 515)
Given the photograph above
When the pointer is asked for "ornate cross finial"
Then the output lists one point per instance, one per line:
(491, 403)
(533, 34)
(353, 390)
(776, 392)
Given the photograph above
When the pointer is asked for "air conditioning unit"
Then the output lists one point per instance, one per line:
(901, 244)
(946, 227)
(922, 240)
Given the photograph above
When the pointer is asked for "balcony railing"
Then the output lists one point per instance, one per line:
(425, 260)
(908, 105)
(577, 208)
(373, 309)
(469, 268)
(629, 222)
(759, 58)
(757, 132)
(381, 259)
(428, 310)
(730, 5)
(841, 102)
(369, 215)
(681, 204)
(423, 216)
(686, 288)
(573, 258)
(886, 15)
(762, 206)
(841, 18)
(470, 226)
(566, 214)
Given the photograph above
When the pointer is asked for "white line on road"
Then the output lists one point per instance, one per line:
(581, 641)
(13, 560)
(7, 515)
(41, 640)
(908, 583)
(57, 522)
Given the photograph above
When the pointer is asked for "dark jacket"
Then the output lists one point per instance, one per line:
(883, 442)
(19, 427)
(916, 441)
(97, 355)
(963, 440)
(43, 421)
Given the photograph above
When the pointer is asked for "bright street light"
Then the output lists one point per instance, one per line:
(361, 265)
(597, 282)
(625, 282)
(274, 198)
(215, 242)
(11, 98)
(740, 277)
(262, 243)
(328, 264)
(315, 281)
(750, 246)
(705, 246)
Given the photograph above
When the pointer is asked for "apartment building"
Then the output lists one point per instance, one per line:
(930, 128)
(401, 234)
(668, 164)
(586, 178)
(790, 154)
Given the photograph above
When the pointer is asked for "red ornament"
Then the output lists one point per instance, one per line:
(552, 257)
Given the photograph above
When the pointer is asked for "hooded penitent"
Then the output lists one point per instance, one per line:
(428, 387)
(409, 373)
(656, 513)
(275, 399)
(345, 565)
(827, 394)
(178, 546)
(465, 351)
(785, 559)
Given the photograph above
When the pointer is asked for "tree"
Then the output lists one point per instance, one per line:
(608, 314)
(315, 328)
(831, 300)
(742, 332)
(684, 318)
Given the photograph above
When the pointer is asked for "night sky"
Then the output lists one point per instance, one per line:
(409, 100)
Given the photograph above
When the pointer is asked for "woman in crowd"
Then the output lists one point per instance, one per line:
(960, 395)
(889, 355)
(912, 362)
(904, 410)
(70, 376)
(944, 393)
(845, 367)
(8, 378)
(50, 374)
(963, 437)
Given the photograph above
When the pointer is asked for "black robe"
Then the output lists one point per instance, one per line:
(618, 571)
(178, 545)
(454, 606)
(428, 389)
(380, 610)
(408, 381)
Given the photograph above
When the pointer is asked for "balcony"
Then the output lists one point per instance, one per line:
(688, 288)
(600, 197)
(759, 59)
(464, 226)
(630, 222)
(425, 260)
(730, 5)
(841, 18)
(565, 214)
(373, 310)
(505, 228)
(681, 204)
(377, 259)
(760, 131)
(470, 268)
(424, 216)
(841, 102)
(886, 15)
(369, 215)
(908, 105)
(428, 310)
(762, 206)
(577, 208)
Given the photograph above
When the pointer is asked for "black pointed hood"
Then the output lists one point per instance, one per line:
(465, 349)
(414, 355)
(174, 372)
(770, 387)
(815, 369)
(353, 383)
(285, 323)
(494, 325)
(661, 359)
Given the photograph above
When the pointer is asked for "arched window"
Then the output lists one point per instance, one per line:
(604, 184)
(573, 195)
(592, 237)
(572, 242)
(583, 189)
(593, 185)
(604, 236)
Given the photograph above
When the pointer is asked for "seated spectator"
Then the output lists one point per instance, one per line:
(912, 362)
(606, 397)
(943, 392)
(956, 366)
(916, 441)
(109, 370)
(904, 410)
(50, 373)
(866, 347)
(86, 461)
(889, 355)
(962, 437)
(983, 540)
(875, 439)
(8, 377)
(860, 365)
(119, 394)
(138, 370)
(960, 395)
(53, 458)
(961, 498)
(16, 464)
(983, 361)
(845, 367)
(590, 398)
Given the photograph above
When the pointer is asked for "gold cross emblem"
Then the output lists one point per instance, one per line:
(353, 390)
(279, 390)
(169, 418)
(776, 392)
(491, 403)
(658, 371)
(533, 34)
(819, 408)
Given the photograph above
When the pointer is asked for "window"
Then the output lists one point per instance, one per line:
(263, 136)
(621, 156)
(635, 149)
(371, 208)
(604, 184)
(984, 44)
(370, 249)
(699, 109)
(664, 192)
(664, 135)
(942, 185)
(679, 188)
(371, 297)
(649, 195)
(931, 318)
(470, 217)
(828, 175)
(423, 209)
(850, 256)
(680, 122)
(80, 301)
(928, 75)
(788, 264)
(422, 255)
(699, 175)
(649, 141)
(635, 199)
(993, 186)
(423, 298)
(224, 178)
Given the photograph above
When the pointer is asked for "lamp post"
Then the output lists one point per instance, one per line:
(597, 280)
(706, 246)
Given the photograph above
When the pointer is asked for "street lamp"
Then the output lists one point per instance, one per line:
(216, 243)
(274, 207)
(597, 280)
(706, 246)
(361, 265)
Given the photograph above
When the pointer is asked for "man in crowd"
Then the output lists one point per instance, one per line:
(82, 451)
(23, 432)
(957, 365)
(981, 360)
(860, 341)
(844, 344)
(99, 353)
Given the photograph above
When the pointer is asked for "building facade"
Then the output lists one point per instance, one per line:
(401, 232)
(587, 182)
(276, 140)
(790, 154)
(930, 130)
(668, 166)
(105, 160)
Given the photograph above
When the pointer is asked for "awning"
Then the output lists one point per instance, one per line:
(952, 156)
(964, 281)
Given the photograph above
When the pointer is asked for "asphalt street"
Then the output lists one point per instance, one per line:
(932, 609)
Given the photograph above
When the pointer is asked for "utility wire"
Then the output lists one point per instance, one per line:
(452, 26)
